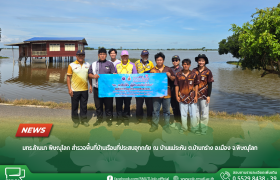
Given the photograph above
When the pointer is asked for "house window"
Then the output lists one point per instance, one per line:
(54, 47)
(69, 47)
(80, 47)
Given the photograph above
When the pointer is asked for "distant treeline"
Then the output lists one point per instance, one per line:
(172, 49)
(8, 48)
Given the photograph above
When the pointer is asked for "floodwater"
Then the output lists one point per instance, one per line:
(234, 90)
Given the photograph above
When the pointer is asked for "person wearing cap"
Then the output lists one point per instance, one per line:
(144, 65)
(113, 54)
(124, 67)
(204, 91)
(102, 66)
(77, 82)
(186, 87)
(164, 100)
(174, 103)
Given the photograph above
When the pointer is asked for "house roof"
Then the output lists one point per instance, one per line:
(36, 39)
(58, 39)
(16, 44)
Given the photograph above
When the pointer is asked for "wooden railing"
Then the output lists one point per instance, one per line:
(39, 53)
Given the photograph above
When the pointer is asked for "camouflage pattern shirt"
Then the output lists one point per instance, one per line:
(186, 85)
(204, 78)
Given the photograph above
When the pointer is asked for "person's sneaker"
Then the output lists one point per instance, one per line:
(177, 126)
(119, 123)
(86, 124)
(109, 123)
(98, 122)
(75, 125)
(153, 128)
(126, 123)
(173, 125)
(181, 131)
(197, 132)
(167, 130)
(138, 121)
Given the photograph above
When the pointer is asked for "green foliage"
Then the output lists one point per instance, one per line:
(230, 45)
(89, 48)
(259, 41)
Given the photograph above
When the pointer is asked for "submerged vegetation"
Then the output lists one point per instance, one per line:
(91, 106)
(234, 62)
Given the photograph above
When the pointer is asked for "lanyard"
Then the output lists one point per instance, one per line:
(144, 66)
(125, 66)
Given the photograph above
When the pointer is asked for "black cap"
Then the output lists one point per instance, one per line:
(175, 57)
(202, 56)
(80, 52)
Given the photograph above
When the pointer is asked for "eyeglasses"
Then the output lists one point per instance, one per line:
(175, 60)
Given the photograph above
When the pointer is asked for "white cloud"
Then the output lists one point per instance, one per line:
(6, 39)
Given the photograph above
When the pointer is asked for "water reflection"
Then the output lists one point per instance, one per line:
(36, 74)
(240, 81)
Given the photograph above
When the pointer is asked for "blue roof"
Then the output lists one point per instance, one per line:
(55, 39)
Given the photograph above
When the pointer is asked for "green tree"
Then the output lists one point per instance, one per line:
(230, 45)
(259, 41)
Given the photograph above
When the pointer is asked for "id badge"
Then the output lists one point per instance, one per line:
(202, 78)
(190, 82)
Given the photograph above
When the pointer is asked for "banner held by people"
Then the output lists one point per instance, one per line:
(133, 85)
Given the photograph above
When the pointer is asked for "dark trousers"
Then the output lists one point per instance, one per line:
(82, 98)
(175, 106)
(139, 107)
(123, 114)
(99, 102)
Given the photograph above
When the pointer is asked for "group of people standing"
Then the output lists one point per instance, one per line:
(188, 91)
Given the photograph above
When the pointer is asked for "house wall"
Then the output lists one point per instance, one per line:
(26, 48)
(62, 52)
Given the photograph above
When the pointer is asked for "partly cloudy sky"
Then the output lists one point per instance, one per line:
(150, 24)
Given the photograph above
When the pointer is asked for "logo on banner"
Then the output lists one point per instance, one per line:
(110, 177)
(175, 178)
(14, 173)
(123, 78)
(225, 175)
